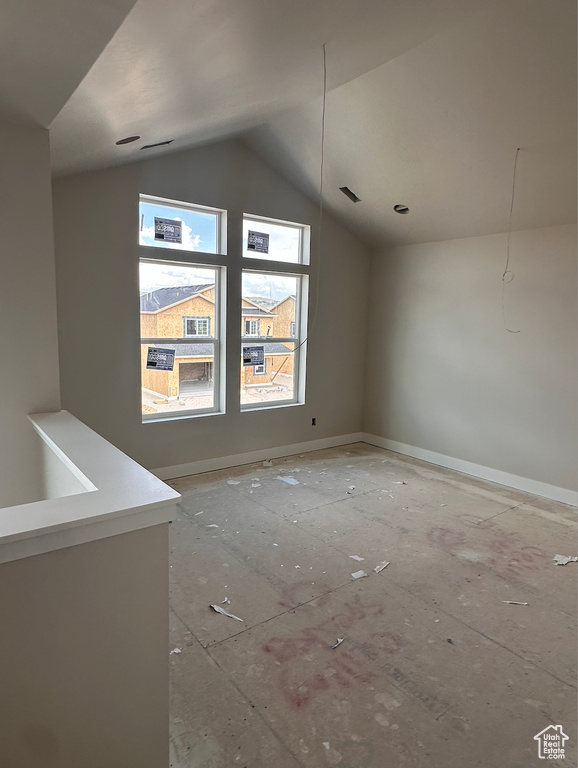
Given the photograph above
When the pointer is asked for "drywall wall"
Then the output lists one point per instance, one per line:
(444, 374)
(29, 381)
(84, 655)
(96, 220)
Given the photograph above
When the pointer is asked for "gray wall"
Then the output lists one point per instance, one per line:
(444, 375)
(96, 219)
(29, 381)
(84, 655)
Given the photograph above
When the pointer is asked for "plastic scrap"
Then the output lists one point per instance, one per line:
(255, 485)
(225, 613)
(356, 557)
(351, 487)
(288, 480)
(226, 601)
(198, 513)
(233, 482)
(399, 482)
(213, 525)
(358, 575)
(326, 744)
(562, 559)
(339, 641)
(175, 650)
(514, 602)
(380, 566)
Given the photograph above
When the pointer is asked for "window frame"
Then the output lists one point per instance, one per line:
(249, 321)
(217, 335)
(300, 272)
(304, 241)
(165, 202)
(196, 335)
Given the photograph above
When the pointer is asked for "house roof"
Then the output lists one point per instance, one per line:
(254, 312)
(261, 301)
(162, 298)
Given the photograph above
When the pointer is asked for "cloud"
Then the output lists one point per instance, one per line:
(153, 276)
(191, 242)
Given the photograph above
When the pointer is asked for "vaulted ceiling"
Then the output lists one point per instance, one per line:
(427, 100)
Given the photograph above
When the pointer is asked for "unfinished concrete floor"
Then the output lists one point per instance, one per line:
(435, 669)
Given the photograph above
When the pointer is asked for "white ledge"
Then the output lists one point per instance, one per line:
(116, 494)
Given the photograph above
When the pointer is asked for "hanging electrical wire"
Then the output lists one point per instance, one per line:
(508, 275)
(311, 325)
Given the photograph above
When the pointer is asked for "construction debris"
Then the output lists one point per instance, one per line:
(288, 480)
(358, 575)
(233, 482)
(339, 641)
(175, 650)
(356, 557)
(513, 602)
(226, 601)
(213, 525)
(380, 566)
(562, 559)
(222, 611)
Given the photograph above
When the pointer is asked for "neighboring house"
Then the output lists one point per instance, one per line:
(189, 311)
(551, 742)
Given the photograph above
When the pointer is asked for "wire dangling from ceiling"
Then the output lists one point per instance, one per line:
(508, 275)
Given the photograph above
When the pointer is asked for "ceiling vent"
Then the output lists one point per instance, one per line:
(351, 195)
(158, 144)
(128, 140)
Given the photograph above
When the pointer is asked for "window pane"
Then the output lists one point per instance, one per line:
(176, 301)
(187, 387)
(272, 381)
(274, 242)
(269, 305)
(176, 227)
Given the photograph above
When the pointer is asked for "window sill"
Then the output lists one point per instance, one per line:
(181, 417)
(267, 407)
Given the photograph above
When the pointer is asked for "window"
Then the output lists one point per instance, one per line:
(271, 240)
(251, 328)
(278, 294)
(181, 313)
(178, 226)
(196, 326)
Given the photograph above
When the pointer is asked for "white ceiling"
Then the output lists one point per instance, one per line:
(427, 101)
(46, 48)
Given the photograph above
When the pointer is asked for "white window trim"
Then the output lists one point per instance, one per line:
(197, 335)
(284, 269)
(216, 340)
(219, 213)
(251, 335)
(304, 240)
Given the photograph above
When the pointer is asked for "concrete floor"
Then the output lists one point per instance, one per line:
(435, 670)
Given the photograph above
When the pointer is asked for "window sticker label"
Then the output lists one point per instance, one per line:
(168, 230)
(253, 355)
(258, 241)
(160, 359)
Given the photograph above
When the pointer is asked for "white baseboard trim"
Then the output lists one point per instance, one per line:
(238, 459)
(477, 470)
